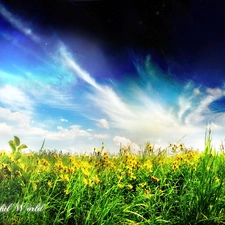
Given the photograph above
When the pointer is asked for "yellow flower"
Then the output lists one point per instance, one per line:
(149, 147)
(142, 185)
(18, 173)
(35, 187)
(98, 151)
(96, 179)
(148, 165)
(130, 186)
(181, 145)
(2, 152)
(120, 185)
(217, 179)
(90, 183)
(50, 184)
(85, 172)
(45, 162)
(119, 178)
(66, 191)
(175, 165)
(65, 177)
(30, 156)
(55, 156)
(132, 176)
(155, 178)
(85, 181)
(71, 170)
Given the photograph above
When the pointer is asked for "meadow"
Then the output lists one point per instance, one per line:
(175, 185)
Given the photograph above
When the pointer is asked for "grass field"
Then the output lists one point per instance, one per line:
(186, 187)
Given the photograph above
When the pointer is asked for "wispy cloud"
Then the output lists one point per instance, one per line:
(202, 112)
(64, 120)
(101, 136)
(103, 124)
(65, 134)
(18, 24)
(144, 117)
(67, 59)
(5, 129)
(127, 143)
(15, 99)
(147, 116)
(15, 123)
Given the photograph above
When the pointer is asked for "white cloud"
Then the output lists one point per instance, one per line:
(196, 91)
(146, 117)
(67, 60)
(103, 124)
(32, 93)
(47, 94)
(15, 123)
(124, 142)
(14, 119)
(15, 99)
(141, 119)
(119, 140)
(64, 120)
(219, 119)
(5, 129)
(184, 105)
(65, 134)
(18, 24)
(202, 113)
(101, 136)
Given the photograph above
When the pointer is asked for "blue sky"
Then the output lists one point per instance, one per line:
(74, 91)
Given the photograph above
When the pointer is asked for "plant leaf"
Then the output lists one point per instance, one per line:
(17, 155)
(16, 141)
(43, 143)
(12, 145)
(22, 146)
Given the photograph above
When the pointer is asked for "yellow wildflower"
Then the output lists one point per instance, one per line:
(90, 183)
(96, 179)
(120, 185)
(130, 186)
(50, 184)
(65, 177)
(142, 185)
(71, 170)
(155, 178)
(85, 172)
(18, 173)
(35, 187)
(85, 181)
(66, 191)
(217, 180)
(132, 176)
(175, 165)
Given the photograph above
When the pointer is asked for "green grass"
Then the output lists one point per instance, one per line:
(184, 188)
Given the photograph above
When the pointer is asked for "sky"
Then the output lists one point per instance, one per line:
(79, 73)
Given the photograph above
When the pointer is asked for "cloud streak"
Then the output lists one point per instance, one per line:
(18, 24)
(147, 116)
(157, 110)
